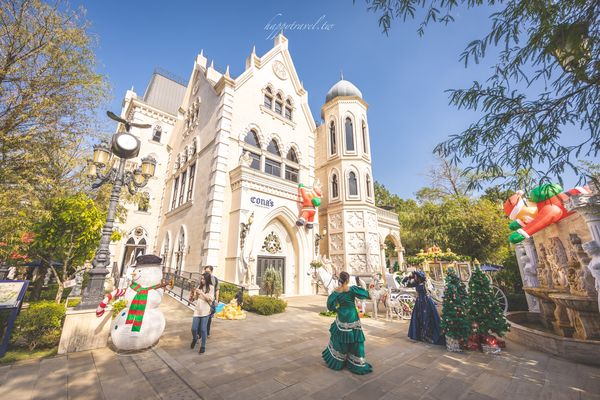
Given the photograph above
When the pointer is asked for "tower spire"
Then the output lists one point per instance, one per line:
(341, 74)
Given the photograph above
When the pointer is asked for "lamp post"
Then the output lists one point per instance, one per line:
(123, 146)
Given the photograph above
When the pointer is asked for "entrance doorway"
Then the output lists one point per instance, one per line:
(264, 262)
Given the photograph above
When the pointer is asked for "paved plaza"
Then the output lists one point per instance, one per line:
(279, 357)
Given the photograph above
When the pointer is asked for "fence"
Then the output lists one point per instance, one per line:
(184, 282)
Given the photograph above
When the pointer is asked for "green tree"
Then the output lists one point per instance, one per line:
(69, 234)
(49, 91)
(546, 79)
(455, 320)
(483, 307)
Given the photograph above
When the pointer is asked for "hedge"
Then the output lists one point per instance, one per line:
(264, 305)
(39, 325)
(227, 291)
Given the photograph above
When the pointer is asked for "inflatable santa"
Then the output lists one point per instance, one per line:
(140, 324)
(545, 208)
(309, 200)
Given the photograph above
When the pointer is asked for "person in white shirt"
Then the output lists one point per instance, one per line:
(204, 296)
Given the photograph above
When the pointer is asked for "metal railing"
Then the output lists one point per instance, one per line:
(184, 282)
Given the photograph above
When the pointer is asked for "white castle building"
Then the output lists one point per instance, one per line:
(232, 151)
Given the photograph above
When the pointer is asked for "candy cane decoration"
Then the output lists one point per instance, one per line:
(114, 294)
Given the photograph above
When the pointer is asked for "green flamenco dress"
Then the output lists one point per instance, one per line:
(347, 342)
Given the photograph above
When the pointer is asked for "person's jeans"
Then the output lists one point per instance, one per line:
(210, 317)
(199, 325)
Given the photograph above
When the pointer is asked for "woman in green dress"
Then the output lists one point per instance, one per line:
(347, 342)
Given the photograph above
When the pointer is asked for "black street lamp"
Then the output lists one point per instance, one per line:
(123, 146)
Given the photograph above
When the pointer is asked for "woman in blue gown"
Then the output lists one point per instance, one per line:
(425, 320)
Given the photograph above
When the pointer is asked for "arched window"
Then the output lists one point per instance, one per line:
(349, 135)
(291, 155)
(278, 104)
(364, 137)
(368, 186)
(273, 148)
(334, 186)
(352, 184)
(288, 110)
(332, 141)
(268, 101)
(252, 139)
(157, 134)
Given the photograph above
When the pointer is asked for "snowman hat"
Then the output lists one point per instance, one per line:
(147, 260)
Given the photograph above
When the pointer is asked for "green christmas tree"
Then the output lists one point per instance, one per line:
(455, 319)
(483, 306)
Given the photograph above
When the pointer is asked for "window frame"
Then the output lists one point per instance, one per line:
(351, 173)
(274, 164)
(291, 171)
(182, 188)
(332, 139)
(347, 150)
(191, 177)
(175, 194)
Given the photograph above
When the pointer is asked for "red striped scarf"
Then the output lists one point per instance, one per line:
(138, 306)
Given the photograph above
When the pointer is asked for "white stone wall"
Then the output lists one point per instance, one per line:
(139, 112)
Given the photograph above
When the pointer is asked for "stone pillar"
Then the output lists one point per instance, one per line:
(588, 206)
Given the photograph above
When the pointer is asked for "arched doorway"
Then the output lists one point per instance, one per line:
(134, 247)
(279, 244)
(393, 251)
(179, 253)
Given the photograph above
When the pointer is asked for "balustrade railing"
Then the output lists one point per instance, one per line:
(184, 282)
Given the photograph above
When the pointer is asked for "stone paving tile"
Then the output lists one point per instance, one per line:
(86, 386)
(490, 384)
(449, 388)
(21, 380)
(54, 379)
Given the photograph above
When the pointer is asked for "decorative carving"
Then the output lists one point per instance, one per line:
(358, 263)
(374, 262)
(338, 262)
(530, 274)
(372, 220)
(581, 281)
(356, 241)
(245, 159)
(279, 70)
(558, 261)
(335, 221)
(355, 219)
(543, 269)
(374, 246)
(272, 244)
(336, 241)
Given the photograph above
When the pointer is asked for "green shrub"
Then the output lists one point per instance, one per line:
(73, 302)
(264, 305)
(39, 326)
(118, 306)
(227, 291)
(328, 313)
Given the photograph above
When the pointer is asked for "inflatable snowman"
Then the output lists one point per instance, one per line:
(140, 324)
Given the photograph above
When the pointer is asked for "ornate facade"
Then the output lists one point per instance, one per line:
(228, 192)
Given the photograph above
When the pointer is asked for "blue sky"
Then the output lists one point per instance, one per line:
(402, 76)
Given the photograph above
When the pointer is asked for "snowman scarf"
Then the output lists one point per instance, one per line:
(138, 306)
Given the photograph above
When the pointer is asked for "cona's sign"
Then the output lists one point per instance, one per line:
(263, 202)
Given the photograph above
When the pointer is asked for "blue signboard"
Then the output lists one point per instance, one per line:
(12, 294)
